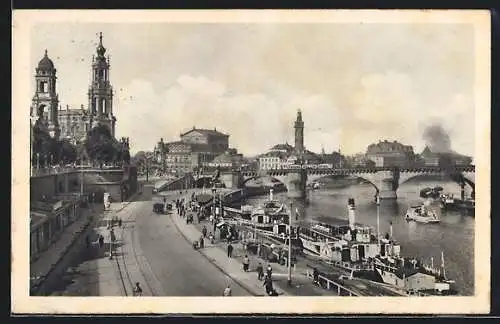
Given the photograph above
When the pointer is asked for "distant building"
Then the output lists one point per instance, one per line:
(197, 147)
(359, 161)
(230, 159)
(386, 154)
(282, 155)
(335, 159)
(429, 158)
(74, 124)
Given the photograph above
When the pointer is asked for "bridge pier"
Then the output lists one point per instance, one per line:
(232, 179)
(296, 184)
(387, 184)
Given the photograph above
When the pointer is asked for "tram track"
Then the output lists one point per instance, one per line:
(124, 271)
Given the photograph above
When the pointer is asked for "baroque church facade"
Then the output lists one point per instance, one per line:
(73, 124)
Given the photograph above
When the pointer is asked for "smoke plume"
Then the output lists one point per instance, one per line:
(437, 139)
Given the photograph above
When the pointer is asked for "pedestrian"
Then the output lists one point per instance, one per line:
(227, 292)
(230, 250)
(315, 276)
(211, 238)
(137, 290)
(246, 263)
(204, 231)
(268, 284)
(119, 222)
(260, 271)
(269, 271)
(101, 241)
(202, 242)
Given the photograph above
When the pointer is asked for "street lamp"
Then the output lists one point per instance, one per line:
(290, 246)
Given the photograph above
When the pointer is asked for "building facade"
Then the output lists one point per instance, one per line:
(196, 148)
(74, 124)
(388, 154)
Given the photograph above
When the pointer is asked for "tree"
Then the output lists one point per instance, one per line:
(67, 153)
(100, 145)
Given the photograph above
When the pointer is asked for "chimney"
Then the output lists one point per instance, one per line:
(351, 210)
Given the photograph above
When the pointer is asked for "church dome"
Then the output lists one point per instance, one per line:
(45, 63)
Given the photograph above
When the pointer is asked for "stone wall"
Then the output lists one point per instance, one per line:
(54, 184)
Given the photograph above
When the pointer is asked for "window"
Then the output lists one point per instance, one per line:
(44, 87)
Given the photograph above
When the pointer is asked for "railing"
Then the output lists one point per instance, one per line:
(313, 167)
(37, 172)
(331, 285)
(43, 171)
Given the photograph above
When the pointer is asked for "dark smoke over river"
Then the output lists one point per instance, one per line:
(437, 139)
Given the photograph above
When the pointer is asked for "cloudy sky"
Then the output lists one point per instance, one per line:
(355, 83)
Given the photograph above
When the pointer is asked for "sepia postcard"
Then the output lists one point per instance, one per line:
(251, 161)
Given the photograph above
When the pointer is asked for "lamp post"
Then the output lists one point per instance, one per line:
(81, 177)
(378, 223)
(290, 246)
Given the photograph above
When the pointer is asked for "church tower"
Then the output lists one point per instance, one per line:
(45, 101)
(100, 91)
(299, 134)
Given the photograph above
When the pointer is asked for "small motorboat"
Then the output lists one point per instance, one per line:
(421, 214)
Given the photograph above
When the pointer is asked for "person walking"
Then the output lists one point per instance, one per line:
(315, 276)
(119, 222)
(227, 292)
(269, 271)
(204, 231)
(268, 284)
(246, 263)
(202, 242)
(230, 251)
(260, 271)
(137, 290)
(101, 241)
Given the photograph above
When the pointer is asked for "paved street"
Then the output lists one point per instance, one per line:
(179, 269)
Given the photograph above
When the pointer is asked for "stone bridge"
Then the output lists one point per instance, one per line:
(385, 180)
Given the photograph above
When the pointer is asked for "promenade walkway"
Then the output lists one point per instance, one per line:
(217, 254)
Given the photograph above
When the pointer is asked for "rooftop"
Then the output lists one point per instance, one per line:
(46, 63)
(212, 132)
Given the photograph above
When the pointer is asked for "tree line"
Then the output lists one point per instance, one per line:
(99, 147)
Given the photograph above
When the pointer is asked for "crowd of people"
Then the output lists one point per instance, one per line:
(193, 212)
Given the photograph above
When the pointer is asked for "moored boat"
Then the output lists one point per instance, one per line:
(421, 214)
(414, 276)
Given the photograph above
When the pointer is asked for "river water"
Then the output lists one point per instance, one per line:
(454, 235)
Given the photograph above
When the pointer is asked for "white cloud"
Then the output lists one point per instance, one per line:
(254, 121)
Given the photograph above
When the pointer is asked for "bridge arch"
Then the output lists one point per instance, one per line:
(458, 177)
(317, 175)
